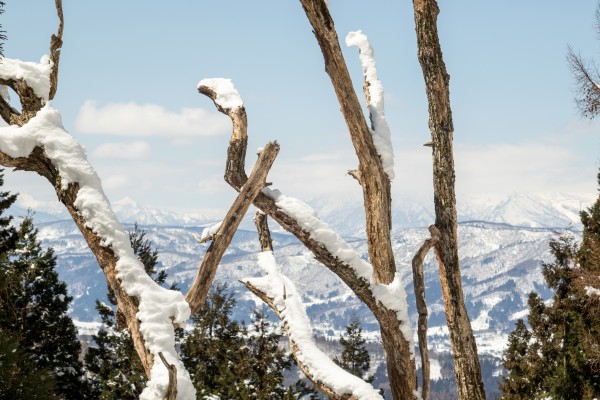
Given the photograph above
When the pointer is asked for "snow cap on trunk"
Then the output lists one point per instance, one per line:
(228, 97)
(381, 131)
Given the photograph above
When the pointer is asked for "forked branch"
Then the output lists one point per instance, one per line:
(419, 285)
(208, 268)
(333, 252)
(374, 180)
(279, 293)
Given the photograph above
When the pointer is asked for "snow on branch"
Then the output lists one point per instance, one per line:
(375, 100)
(392, 296)
(226, 96)
(35, 75)
(159, 308)
(223, 234)
(208, 233)
(592, 291)
(281, 295)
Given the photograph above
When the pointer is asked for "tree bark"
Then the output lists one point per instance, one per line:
(401, 367)
(466, 363)
(419, 285)
(373, 179)
(199, 289)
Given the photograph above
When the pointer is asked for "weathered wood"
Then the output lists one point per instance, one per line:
(55, 47)
(172, 389)
(374, 181)
(401, 368)
(208, 268)
(322, 387)
(466, 363)
(37, 162)
(264, 234)
(419, 286)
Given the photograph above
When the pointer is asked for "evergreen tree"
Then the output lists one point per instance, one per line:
(19, 377)
(117, 372)
(264, 359)
(211, 352)
(8, 234)
(559, 355)
(33, 307)
(228, 360)
(355, 357)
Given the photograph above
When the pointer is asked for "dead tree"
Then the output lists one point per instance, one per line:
(466, 363)
(587, 80)
(36, 141)
(376, 284)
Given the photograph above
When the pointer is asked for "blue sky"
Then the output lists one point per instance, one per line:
(129, 71)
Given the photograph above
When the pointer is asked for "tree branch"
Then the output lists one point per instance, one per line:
(264, 234)
(208, 268)
(398, 345)
(419, 285)
(279, 293)
(466, 362)
(55, 47)
(375, 182)
(172, 389)
(37, 142)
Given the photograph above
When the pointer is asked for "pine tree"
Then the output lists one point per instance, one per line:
(228, 360)
(19, 376)
(558, 356)
(355, 356)
(265, 361)
(8, 234)
(33, 307)
(116, 370)
(211, 352)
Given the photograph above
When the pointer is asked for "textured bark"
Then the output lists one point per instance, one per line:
(255, 183)
(401, 368)
(322, 387)
(264, 234)
(419, 285)
(266, 244)
(172, 389)
(466, 363)
(373, 179)
(55, 46)
(37, 162)
(30, 103)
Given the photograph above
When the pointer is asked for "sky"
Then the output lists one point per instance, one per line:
(129, 71)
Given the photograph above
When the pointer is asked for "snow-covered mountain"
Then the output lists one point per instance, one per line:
(502, 246)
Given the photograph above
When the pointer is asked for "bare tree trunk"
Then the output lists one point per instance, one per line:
(400, 365)
(466, 363)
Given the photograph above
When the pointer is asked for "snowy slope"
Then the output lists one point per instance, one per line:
(501, 264)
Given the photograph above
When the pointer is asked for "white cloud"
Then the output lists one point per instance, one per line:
(526, 167)
(114, 182)
(123, 150)
(131, 119)
(497, 169)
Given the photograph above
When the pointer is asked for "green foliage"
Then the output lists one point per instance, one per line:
(33, 307)
(20, 377)
(355, 357)
(114, 365)
(558, 356)
(231, 361)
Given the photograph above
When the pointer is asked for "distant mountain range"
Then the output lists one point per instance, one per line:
(502, 246)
